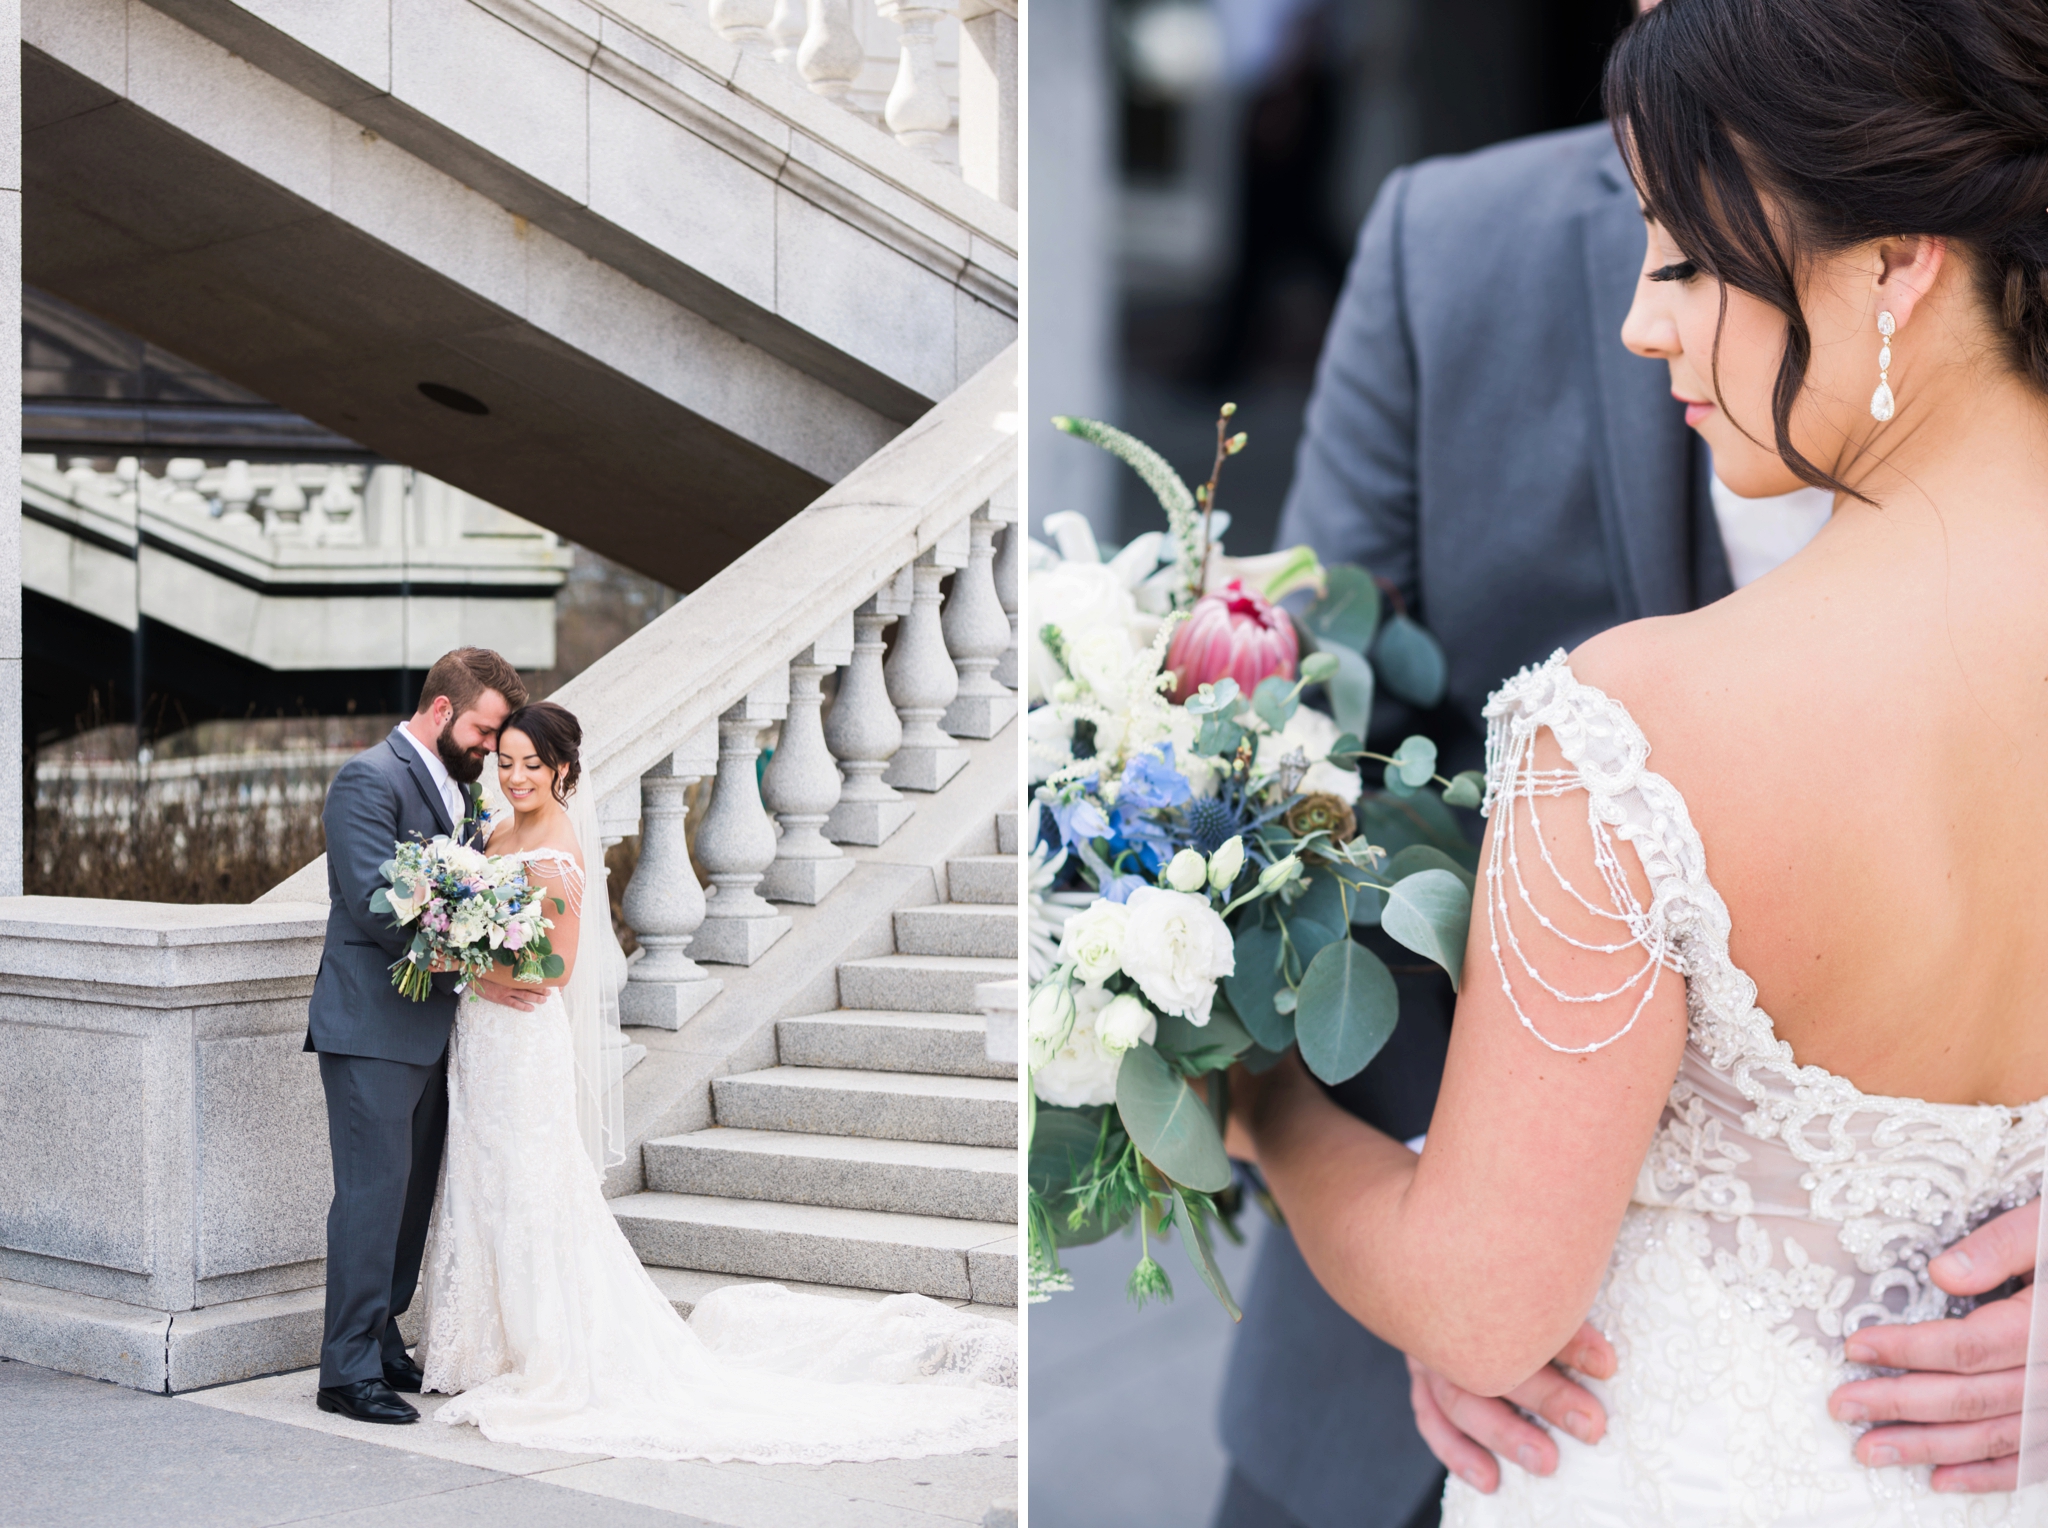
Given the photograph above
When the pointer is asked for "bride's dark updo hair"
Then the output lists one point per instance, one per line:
(1860, 119)
(556, 736)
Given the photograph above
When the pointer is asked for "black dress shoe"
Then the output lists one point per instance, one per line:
(404, 1375)
(367, 1400)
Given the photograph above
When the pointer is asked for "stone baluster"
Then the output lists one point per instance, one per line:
(918, 112)
(1005, 572)
(830, 56)
(736, 840)
(988, 98)
(237, 493)
(285, 506)
(923, 682)
(863, 732)
(744, 22)
(663, 903)
(786, 28)
(976, 634)
(801, 784)
(184, 473)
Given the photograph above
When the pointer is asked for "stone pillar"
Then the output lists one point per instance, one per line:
(918, 112)
(976, 634)
(663, 902)
(786, 30)
(863, 732)
(830, 55)
(1008, 557)
(923, 682)
(801, 785)
(988, 98)
(745, 23)
(10, 466)
(736, 840)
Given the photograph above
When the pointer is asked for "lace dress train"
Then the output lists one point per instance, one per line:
(1780, 1208)
(544, 1327)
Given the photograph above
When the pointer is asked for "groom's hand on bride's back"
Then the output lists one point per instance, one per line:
(1466, 1431)
(1959, 1409)
(512, 997)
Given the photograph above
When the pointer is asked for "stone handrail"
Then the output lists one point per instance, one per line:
(686, 698)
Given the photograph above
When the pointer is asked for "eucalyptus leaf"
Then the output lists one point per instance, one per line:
(1347, 749)
(1395, 782)
(1415, 818)
(1182, 1037)
(1252, 985)
(1322, 902)
(1273, 702)
(1409, 662)
(1318, 668)
(1195, 1240)
(380, 902)
(1284, 1001)
(1416, 759)
(1467, 789)
(1348, 613)
(1431, 913)
(1169, 1123)
(1213, 698)
(1351, 691)
(551, 966)
(1310, 935)
(1062, 1147)
(1219, 737)
(1348, 1007)
(1417, 857)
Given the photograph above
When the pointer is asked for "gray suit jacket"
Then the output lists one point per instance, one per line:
(1479, 435)
(381, 796)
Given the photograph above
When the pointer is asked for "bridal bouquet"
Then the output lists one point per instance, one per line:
(1205, 847)
(470, 912)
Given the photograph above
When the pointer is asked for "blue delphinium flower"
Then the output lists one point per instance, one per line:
(1080, 818)
(1151, 783)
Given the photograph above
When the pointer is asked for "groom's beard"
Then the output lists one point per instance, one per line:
(464, 767)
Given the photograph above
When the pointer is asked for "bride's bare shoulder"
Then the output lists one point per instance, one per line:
(1675, 674)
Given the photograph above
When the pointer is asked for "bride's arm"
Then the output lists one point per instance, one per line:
(1481, 1257)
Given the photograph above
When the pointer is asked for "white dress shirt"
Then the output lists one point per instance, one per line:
(1758, 534)
(451, 793)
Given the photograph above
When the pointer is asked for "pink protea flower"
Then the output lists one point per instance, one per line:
(1236, 633)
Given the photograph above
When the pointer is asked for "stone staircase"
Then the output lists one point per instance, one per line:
(879, 1153)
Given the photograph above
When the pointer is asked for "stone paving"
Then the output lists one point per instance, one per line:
(79, 1453)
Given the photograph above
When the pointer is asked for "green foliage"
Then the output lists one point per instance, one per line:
(1082, 1166)
(1426, 857)
(1252, 985)
(1274, 701)
(1431, 913)
(380, 902)
(1168, 1123)
(1416, 761)
(1189, 1210)
(1348, 613)
(1409, 662)
(1467, 789)
(1149, 1282)
(1318, 668)
(1350, 691)
(1347, 1009)
(1174, 496)
(1194, 1049)
(551, 966)
(1419, 818)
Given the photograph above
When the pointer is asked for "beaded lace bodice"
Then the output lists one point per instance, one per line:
(1823, 1202)
(1779, 1208)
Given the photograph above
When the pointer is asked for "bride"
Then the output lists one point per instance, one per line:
(540, 1320)
(1752, 1027)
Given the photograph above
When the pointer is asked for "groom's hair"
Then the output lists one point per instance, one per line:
(465, 674)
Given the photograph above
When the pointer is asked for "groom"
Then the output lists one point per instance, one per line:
(383, 1057)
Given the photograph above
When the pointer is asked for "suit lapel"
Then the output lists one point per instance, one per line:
(423, 782)
(1642, 469)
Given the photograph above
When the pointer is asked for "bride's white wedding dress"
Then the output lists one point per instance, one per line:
(1780, 1207)
(542, 1324)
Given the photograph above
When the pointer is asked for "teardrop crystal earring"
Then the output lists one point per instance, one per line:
(1881, 401)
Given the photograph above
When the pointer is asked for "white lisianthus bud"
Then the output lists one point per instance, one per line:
(1279, 873)
(1092, 941)
(1187, 871)
(1051, 1011)
(1124, 1023)
(1225, 864)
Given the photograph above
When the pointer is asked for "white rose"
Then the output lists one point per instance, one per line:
(1226, 864)
(1078, 598)
(1327, 779)
(1051, 739)
(1307, 729)
(1187, 871)
(1176, 948)
(1093, 940)
(1124, 1023)
(1080, 1072)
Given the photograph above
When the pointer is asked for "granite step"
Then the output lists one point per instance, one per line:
(879, 1040)
(956, 928)
(989, 879)
(864, 1249)
(1006, 832)
(852, 1172)
(920, 983)
(894, 1106)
